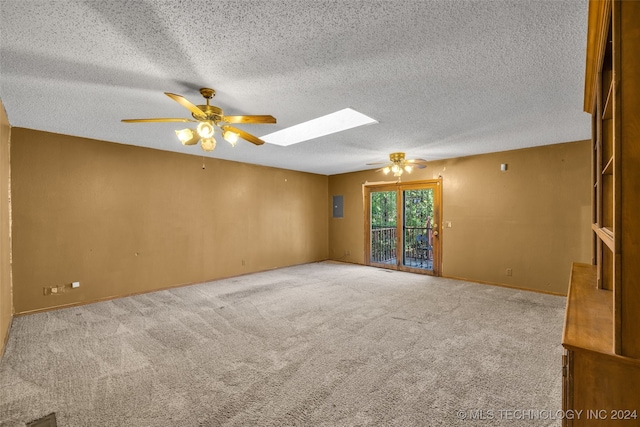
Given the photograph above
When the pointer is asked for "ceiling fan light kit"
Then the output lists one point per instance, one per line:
(208, 144)
(187, 136)
(399, 164)
(205, 129)
(230, 136)
(209, 117)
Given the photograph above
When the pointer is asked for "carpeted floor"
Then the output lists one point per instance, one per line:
(324, 344)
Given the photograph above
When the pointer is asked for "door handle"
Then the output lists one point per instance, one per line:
(435, 233)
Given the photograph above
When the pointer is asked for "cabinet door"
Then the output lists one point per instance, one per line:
(567, 385)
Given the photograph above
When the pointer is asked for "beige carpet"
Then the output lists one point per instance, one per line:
(323, 344)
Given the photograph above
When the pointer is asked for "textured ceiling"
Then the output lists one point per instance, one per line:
(444, 78)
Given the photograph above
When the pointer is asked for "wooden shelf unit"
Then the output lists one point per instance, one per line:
(608, 104)
(595, 378)
(605, 234)
(608, 169)
(601, 366)
(589, 308)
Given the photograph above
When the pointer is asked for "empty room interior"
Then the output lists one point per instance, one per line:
(409, 213)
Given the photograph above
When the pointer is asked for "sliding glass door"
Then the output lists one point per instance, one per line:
(402, 222)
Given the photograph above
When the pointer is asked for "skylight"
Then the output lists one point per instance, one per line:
(321, 126)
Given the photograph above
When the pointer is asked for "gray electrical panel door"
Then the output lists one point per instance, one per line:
(338, 203)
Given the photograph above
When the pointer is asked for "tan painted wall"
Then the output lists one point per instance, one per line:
(6, 306)
(534, 218)
(124, 220)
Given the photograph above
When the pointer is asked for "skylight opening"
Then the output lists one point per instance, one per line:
(321, 126)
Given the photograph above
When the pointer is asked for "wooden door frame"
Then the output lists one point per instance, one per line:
(399, 187)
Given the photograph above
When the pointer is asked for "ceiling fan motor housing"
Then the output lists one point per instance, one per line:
(396, 157)
(211, 112)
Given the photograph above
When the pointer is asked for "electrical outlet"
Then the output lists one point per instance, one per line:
(347, 252)
(509, 272)
(60, 289)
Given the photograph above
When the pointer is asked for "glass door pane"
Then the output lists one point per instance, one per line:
(418, 227)
(383, 227)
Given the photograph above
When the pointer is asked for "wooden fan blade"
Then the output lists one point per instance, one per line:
(186, 104)
(249, 119)
(244, 135)
(378, 163)
(156, 120)
(417, 163)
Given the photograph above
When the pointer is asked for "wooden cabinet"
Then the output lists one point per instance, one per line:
(602, 322)
(601, 388)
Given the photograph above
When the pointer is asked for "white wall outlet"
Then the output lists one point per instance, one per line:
(75, 284)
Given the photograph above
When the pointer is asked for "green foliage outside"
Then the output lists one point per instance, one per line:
(418, 206)
(383, 209)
